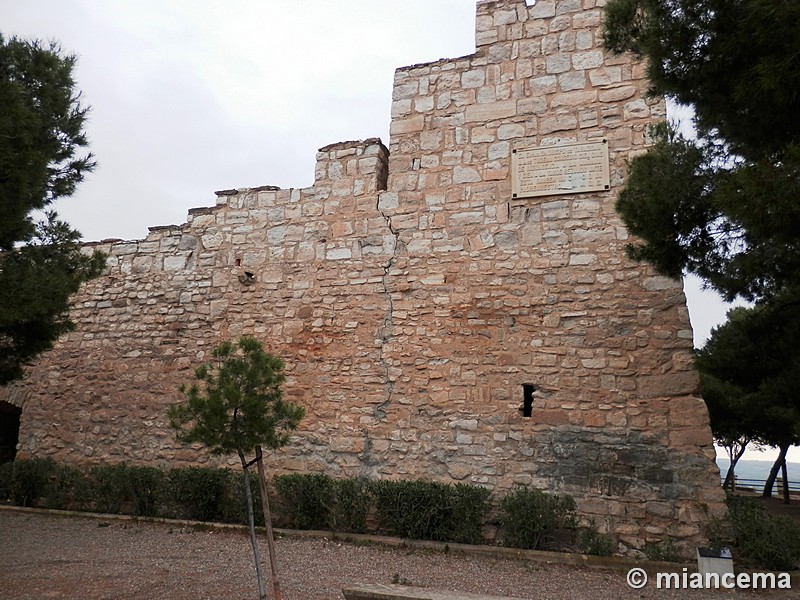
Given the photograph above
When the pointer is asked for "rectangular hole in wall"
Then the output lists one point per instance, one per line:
(527, 399)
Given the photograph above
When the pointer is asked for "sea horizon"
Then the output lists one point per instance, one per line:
(758, 470)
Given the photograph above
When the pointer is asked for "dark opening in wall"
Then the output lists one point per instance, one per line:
(9, 431)
(527, 399)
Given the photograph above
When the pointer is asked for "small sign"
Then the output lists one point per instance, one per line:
(723, 552)
(561, 169)
(715, 565)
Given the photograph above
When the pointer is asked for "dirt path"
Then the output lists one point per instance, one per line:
(86, 558)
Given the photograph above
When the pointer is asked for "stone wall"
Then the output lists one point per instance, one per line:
(415, 300)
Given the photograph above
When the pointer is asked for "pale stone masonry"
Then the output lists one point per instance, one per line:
(423, 311)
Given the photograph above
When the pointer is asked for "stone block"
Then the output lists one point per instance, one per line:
(484, 113)
(557, 123)
(573, 80)
(407, 125)
(424, 104)
(510, 131)
(465, 424)
(473, 79)
(499, 150)
(401, 108)
(388, 201)
(617, 94)
(670, 384)
(590, 59)
(635, 109)
(653, 284)
(174, 263)
(573, 99)
(558, 63)
(338, 254)
(542, 9)
(465, 175)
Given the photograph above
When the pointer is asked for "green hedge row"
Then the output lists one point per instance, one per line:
(409, 509)
(195, 493)
(526, 518)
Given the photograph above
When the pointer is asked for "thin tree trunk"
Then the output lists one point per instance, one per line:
(734, 454)
(262, 482)
(262, 590)
(785, 475)
(773, 473)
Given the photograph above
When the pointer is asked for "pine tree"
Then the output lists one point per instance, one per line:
(41, 259)
(238, 408)
(725, 206)
(750, 370)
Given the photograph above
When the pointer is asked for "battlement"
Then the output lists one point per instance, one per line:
(500, 21)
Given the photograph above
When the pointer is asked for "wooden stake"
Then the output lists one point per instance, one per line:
(262, 483)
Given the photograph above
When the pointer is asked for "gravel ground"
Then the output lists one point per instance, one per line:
(90, 558)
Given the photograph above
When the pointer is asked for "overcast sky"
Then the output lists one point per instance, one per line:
(191, 97)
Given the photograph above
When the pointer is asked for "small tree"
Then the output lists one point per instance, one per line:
(754, 359)
(238, 407)
(731, 420)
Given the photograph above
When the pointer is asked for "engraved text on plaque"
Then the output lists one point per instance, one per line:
(562, 169)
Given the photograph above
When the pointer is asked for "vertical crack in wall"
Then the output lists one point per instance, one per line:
(387, 328)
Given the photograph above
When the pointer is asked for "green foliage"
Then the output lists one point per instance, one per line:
(240, 403)
(43, 482)
(431, 511)
(469, 507)
(31, 480)
(530, 518)
(306, 500)
(110, 487)
(731, 222)
(147, 489)
(591, 541)
(238, 407)
(202, 493)
(316, 501)
(663, 551)
(719, 530)
(68, 488)
(735, 62)
(726, 206)
(412, 509)
(6, 474)
(755, 358)
(353, 500)
(731, 417)
(41, 263)
(120, 487)
(766, 541)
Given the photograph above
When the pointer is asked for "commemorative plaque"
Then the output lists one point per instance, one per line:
(561, 169)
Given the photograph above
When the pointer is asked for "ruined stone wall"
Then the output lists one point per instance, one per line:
(413, 299)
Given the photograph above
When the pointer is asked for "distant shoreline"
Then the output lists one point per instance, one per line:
(757, 470)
